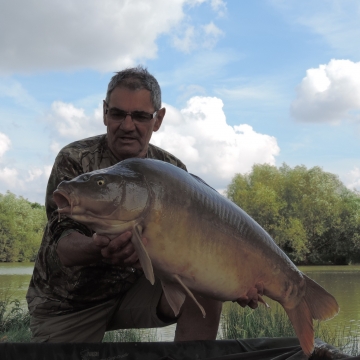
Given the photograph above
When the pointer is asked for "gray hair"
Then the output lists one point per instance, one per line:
(135, 79)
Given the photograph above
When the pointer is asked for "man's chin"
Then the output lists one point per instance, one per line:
(127, 151)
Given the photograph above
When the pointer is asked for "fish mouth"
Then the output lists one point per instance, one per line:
(64, 202)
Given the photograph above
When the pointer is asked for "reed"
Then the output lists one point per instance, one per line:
(242, 323)
(14, 321)
(236, 323)
(131, 335)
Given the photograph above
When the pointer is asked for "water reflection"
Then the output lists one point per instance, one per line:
(341, 281)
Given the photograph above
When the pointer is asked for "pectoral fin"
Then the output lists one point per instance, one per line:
(188, 291)
(174, 294)
(144, 258)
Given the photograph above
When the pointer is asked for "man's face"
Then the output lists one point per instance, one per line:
(127, 139)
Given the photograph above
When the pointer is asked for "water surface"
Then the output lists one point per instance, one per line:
(343, 282)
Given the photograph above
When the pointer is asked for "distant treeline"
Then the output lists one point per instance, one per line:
(309, 213)
(21, 228)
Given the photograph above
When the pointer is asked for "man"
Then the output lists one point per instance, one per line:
(84, 284)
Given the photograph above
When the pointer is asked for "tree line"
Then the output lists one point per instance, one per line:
(309, 213)
(22, 225)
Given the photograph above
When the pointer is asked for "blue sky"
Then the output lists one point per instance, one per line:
(244, 82)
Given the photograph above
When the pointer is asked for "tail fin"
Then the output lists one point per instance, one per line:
(316, 304)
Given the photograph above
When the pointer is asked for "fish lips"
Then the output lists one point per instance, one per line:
(64, 201)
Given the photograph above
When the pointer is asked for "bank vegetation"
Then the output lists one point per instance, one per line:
(22, 225)
(309, 213)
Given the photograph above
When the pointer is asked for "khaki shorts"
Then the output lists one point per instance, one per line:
(137, 309)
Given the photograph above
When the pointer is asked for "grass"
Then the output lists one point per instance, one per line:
(239, 323)
(131, 335)
(15, 326)
(14, 322)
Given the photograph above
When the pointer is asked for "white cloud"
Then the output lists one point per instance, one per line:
(34, 174)
(55, 147)
(9, 177)
(189, 37)
(30, 184)
(71, 123)
(352, 179)
(5, 144)
(102, 35)
(212, 35)
(186, 43)
(219, 6)
(47, 170)
(329, 93)
(210, 148)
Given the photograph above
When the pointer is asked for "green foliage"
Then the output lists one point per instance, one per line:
(131, 335)
(14, 321)
(310, 214)
(239, 323)
(243, 323)
(21, 227)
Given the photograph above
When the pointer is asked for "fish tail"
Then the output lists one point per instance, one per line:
(322, 304)
(317, 304)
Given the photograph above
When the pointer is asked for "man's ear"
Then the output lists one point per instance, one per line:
(104, 113)
(159, 118)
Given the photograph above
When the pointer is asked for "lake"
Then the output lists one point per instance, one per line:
(341, 281)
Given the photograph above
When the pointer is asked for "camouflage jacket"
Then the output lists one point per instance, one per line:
(55, 289)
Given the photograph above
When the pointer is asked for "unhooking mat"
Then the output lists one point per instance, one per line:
(254, 349)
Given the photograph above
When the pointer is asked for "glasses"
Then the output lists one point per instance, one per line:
(119, 115)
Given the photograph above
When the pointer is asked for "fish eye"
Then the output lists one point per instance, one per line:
(101, 182)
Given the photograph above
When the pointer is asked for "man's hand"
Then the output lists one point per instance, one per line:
(119, 250)
(77, 249)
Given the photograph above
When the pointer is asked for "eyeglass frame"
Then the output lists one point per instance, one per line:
(125, 113)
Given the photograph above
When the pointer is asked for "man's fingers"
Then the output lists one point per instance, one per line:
(100, 240)
(120, 251)
(131, 260)
(120, 241)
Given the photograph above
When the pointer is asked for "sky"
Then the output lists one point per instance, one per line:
(243, 82)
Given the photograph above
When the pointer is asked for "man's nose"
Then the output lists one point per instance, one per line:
(127, 124)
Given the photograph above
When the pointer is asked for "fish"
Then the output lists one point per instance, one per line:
(198, 241)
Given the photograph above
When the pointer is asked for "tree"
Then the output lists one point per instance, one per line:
(310, 214)
(21, 227)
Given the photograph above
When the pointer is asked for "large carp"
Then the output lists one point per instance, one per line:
(198, 241)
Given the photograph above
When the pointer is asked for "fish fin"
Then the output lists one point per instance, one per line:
(261, 300)
(322, 305)
(188, 291)
(141, 251)
(301, 320)
(174, 295)
(317, 304)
